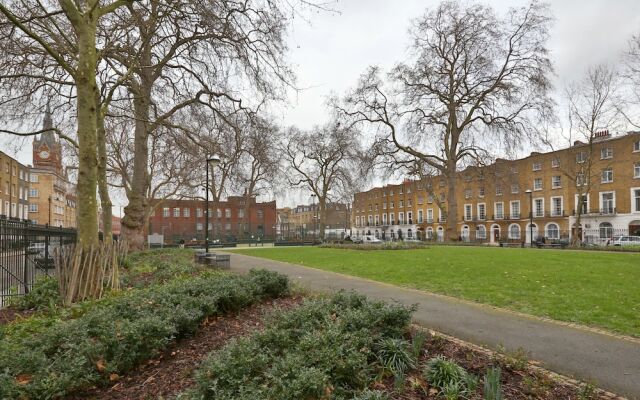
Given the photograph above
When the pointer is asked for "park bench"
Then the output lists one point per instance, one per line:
(511, 244)
(551, 245)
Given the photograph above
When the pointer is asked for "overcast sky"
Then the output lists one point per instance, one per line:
(329, 51)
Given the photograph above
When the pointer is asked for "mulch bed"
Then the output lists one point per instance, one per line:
(172, 371)
(9, 314)
(517, 383)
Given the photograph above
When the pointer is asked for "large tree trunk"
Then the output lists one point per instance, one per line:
(452, 205)
(87, 218)
(322, 203)
(134, 220)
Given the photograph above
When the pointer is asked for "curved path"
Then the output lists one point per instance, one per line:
(612, 363)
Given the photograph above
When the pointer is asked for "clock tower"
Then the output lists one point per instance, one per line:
(47, 151)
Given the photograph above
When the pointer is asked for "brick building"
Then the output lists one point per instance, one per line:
(14, 188)
(229, 221)
(494, 202)
(52, 197)
(302, 221)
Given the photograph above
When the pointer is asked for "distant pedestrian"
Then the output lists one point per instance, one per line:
(181, 243)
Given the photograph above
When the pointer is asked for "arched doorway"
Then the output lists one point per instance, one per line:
(440, 234)
(495, 233)
(465, 233)
(529, 231)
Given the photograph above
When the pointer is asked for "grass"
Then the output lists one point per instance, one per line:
(591, 288)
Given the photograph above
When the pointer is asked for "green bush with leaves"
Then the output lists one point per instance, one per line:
(492, 386)
(50, 358)
(327, 348)
(42, 296)
(449, 378)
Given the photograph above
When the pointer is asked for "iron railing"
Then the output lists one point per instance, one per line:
(26, 252)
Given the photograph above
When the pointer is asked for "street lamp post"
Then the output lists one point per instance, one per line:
(213, 160)
(530, 193)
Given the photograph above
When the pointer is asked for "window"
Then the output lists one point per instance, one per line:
(176, 212)
(498, 190)
(420, 216)
(636, 145)
(199, 226)
(34, 178)
(468, 213)
(401, 204)
(227, 226)
(391, 205)
(369, 220)
(556, 206)
(537, 184)
(392, 219)
(430, 199)
(606, 230)
(499, 210)
(241, 213)
(33, 207)
(636, 170)
(401, 190)
(606, 153)
(581, 157)
(376, 207)
(401, 218)
(199, 212)
(515, 188)
(607, 202)
(420, 200)
(227, 213)
(514, 231)
(370, 207)
(482, 211)
(555, 162)
(186, 212)
(33, 192)
(581, 179)
(537, 166)
(607, 175)
(429, 233)
(430, 214)
(538, 207)
(635, 199)
(553, 231)
(481, 191)
(409, 203)
(582, 204)
(384, 219)
(165, 212)
(556, 182)
(515, 209)
(467, 193)
(384, 206)
(410, 217)
(481, 232)
(377, 220)
(218, 213)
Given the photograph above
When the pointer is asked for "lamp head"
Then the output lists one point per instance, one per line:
(528, 191)
(214, 159)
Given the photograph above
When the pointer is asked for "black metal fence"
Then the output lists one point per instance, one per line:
(26, 252)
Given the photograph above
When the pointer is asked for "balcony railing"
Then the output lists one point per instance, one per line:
(514, 216)
(598, 211)
(556, 213)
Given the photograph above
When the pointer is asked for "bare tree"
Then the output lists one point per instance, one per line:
(630, 108)
(73, 55)
(592, 110)
(475, 81)
(325, 160)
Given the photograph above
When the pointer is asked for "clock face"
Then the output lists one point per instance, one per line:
(44, 154)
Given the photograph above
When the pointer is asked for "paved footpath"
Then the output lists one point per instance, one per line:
(611, 362)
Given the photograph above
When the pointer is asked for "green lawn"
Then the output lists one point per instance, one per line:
(587, 287)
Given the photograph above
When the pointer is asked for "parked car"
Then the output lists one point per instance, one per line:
(626, 241)
(355, 239)
(370, 239)
(412, 240)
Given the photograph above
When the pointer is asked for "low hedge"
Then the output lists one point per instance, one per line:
(381, 246)
(48, 359)
(325, 349)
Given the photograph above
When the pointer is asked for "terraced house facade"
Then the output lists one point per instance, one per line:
(597, 183)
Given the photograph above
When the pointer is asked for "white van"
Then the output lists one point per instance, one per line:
(370, 239)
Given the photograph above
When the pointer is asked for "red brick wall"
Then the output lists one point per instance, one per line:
(228, 227)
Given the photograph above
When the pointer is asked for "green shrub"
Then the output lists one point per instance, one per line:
(447, 376)
(43, 295)
(492, 387)
(395, 355)
(371, 395)
(52, 358)
(327, 348)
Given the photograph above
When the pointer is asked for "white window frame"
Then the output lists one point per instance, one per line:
(420, 216)
(553, 182)
(553, 209)
(636, 146)
(636, 170)
(509, 232)
(430, 215)
(392, 219)
(546, 230)
(166, 212)
(511, 203)
(480, 214)
(384, 219)
(600, 197)
(606, 153)
(468, 212)
(537, 166)
(575, 202)
(609, 175)
(495, 210)
(401, 218)
(483, 229)
(555, 162)
(536, 180)
(467, 194)
(535, 213)
(376, 220)
(176, 212)
(633, 200)
(515, 188)
(186, 212)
